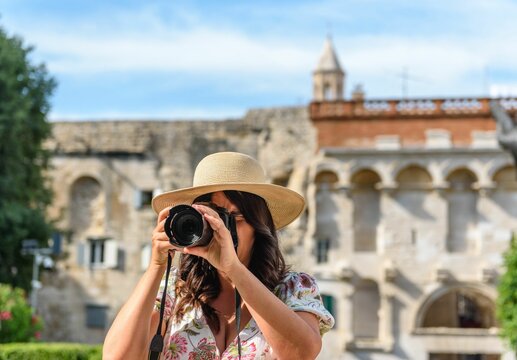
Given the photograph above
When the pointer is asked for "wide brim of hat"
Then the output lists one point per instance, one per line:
(284, 204)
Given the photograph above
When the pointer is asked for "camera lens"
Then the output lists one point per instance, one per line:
(186, 227)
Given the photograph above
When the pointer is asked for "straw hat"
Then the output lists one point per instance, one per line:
(235, 171)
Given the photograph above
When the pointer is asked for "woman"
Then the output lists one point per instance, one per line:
(281, 315)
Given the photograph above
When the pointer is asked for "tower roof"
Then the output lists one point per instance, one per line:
(328, 60)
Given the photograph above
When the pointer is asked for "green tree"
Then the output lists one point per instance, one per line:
(25, 89)
(507, 298)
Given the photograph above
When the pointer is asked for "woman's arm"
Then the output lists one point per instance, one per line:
(292, 335)
(130, 333)
(134, 326)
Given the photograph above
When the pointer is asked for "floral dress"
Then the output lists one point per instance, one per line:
(192, 338)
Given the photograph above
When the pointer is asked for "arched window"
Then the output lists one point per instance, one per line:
(462, 210)
(327, 92)
(414, 184)
(327, 212)
(505, 194)
(367, 211)
(460, 308)
(365, 313)
(87, 207)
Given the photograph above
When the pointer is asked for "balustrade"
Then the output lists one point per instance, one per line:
(408, 107)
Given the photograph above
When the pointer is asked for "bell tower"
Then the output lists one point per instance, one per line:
(328, 77)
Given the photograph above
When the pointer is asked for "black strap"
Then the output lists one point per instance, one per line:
(238, 320)
(156, 346)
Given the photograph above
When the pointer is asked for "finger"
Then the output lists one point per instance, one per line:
(215, 223)
(160, 237)
(203, 209)
(163, 214)
(201, 251)
(163, 247)
(160, 226)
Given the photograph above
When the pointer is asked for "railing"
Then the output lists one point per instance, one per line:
(408, 107)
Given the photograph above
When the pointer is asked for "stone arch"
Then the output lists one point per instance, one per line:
(459, 174)
(505, 177)
(457, 306)
(414, 176)
(327, 214)
(398, 168)
(496, 165)
(366, 216)
(87, 207)
(326, 179)
(462, 210)
(413, 186)
(366, 303)
(505, 192)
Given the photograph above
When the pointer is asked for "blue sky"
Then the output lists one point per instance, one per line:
(216, 59)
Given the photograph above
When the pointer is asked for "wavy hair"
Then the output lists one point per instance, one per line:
(198, 282)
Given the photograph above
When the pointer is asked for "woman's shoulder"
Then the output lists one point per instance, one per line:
(296, 283)
(300, 292)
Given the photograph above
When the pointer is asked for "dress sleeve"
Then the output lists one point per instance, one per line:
(170, 297)
(300, 292)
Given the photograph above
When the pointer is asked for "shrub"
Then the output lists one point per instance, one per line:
(50, 351)
(17, 324)
(507, 299)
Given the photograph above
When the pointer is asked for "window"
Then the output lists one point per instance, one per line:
(98, 253)
(460, 308)
(367, 210)
(145, 257)
(143, 198)
(464, 357)
(96, 316)
(322, 250)
(366, 305)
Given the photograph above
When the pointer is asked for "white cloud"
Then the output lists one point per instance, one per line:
(503, 90)
(201, 50)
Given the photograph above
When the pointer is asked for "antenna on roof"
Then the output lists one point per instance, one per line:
(406, 78)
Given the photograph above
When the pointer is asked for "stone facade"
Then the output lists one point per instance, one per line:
(410, 207)
(104, 175)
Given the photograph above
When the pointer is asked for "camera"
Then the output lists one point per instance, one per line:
(186, 227)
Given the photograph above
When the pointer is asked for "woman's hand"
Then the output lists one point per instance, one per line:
(161, 245)
(220, 252)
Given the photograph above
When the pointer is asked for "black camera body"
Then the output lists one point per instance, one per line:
(186, 227)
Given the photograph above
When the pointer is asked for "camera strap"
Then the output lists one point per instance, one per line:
(156, 346)
(157, 343)
(238, 320)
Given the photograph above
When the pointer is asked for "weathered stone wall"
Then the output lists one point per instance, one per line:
(100, 168)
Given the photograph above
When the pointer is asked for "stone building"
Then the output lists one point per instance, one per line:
(411, 204)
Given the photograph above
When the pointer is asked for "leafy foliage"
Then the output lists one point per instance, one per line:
(50, 351)
(17, 323)
(24, 192)
(507, 299)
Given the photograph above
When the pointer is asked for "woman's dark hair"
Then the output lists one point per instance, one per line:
(198, 282)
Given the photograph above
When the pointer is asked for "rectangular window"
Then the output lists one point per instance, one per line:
(143, 198)
(96, 316)
(96, 252)
(145, 257)
(322, 250)
(101, 253)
